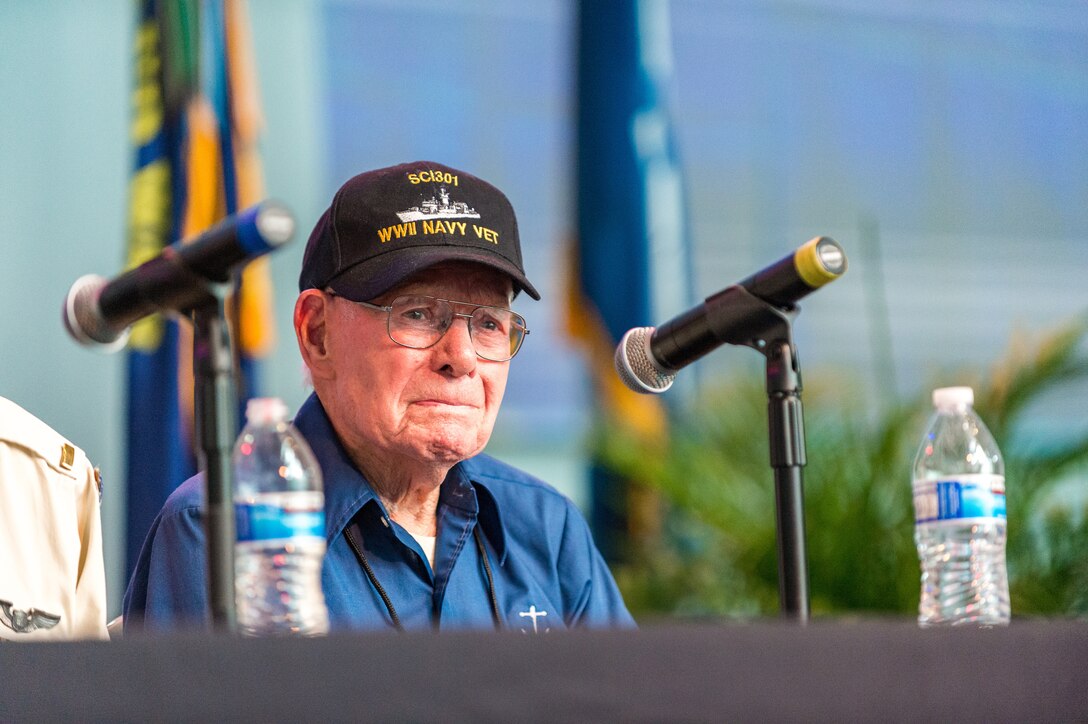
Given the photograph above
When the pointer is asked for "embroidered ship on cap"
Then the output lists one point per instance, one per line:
(441, 208)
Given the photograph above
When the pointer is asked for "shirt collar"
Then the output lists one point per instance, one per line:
(463, 488)
(347, 491)
(488, 515)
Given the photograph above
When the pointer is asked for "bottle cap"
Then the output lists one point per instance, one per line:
(266, 410)
(948, 398)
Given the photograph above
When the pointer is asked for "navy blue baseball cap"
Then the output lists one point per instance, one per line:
(385, 225)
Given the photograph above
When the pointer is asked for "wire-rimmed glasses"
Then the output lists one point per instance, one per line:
(419, 321)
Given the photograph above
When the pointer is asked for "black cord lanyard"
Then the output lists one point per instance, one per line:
(492, 598)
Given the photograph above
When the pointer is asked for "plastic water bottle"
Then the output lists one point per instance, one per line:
(279, 509)
(959, 514)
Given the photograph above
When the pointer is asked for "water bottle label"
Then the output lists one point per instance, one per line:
(969, 496)
(292, 516)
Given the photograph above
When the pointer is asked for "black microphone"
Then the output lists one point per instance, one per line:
(647, 359)
(99, 311)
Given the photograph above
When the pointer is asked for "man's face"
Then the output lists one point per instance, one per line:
(412, 406)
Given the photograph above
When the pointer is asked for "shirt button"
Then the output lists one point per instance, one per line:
(385, 521)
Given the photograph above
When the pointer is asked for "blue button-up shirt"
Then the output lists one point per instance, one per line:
(547, 571)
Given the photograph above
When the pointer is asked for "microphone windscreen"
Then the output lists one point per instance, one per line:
(635, 363)
(84, 320)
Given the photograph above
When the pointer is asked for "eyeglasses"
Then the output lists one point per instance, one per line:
(418, 322)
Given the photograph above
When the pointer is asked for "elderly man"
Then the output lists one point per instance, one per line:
(403, 321)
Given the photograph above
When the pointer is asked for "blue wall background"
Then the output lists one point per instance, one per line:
(945, 145)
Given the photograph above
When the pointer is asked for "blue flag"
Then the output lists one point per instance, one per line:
(632, 257)
(195, 162)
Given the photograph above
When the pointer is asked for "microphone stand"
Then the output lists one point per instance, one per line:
(787, 446)
(746, 320)
(216, 427)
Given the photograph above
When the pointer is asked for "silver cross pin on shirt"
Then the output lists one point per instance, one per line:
(533, 614)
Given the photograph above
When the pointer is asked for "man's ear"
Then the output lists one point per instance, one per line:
(311, 328)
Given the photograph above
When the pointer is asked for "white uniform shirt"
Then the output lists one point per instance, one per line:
(52, 577)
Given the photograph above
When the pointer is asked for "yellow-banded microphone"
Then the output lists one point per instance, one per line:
(648, 358)
(819, 261)
(814, 264)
